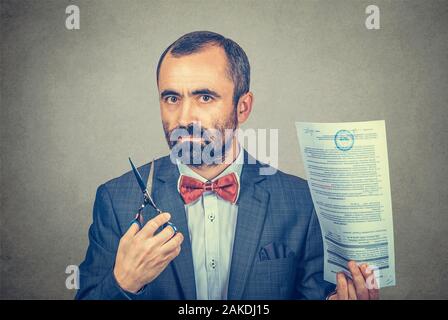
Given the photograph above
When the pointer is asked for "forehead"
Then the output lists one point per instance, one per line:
(205, 68)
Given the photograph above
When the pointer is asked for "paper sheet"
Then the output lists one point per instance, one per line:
(348, 174)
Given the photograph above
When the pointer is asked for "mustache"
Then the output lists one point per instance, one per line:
(192, 130)
(196, 145)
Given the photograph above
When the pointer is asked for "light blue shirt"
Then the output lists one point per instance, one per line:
(211, 226)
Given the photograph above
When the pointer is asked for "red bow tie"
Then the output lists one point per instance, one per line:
(226, 187)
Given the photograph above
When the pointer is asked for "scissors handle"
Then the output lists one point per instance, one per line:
(139, 219)
(172, 226)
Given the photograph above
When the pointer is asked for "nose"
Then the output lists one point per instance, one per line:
(186, 114)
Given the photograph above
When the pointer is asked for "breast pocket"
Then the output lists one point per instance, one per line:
(276, 276)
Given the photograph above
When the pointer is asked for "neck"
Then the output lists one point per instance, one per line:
(210, 172)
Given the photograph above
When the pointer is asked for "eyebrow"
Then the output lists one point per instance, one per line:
(169, 93)
(204, 91)
(207, 92)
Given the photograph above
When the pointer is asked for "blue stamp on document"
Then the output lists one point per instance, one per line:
(344, 140)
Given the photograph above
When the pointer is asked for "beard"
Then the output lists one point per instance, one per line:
(199, 146)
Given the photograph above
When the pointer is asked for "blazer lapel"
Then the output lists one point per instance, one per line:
(169, 200)
(252, 207)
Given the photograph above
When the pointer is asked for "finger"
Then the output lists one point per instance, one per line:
(167, 259)
(172, 244)
(154, 224)
(341, 288)
(359, 281)
(163, 236)
(351, 290)
(173, 254)
(133, 229)
(333, 297)
(372, 284)
(374, 294)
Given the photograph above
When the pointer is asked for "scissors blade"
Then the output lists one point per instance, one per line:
(148, 191)
(138, 177)
(150, 178)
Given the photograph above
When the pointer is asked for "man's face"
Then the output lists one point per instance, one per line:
(196, 93)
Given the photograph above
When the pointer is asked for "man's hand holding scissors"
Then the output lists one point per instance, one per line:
(142, 256)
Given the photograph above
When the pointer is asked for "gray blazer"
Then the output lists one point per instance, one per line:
(277, 254)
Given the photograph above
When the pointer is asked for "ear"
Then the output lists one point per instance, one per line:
(244, 107)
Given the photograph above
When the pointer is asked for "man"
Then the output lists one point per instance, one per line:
(241, 235)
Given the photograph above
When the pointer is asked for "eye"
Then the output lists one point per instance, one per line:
(171, 99)
(205, 98)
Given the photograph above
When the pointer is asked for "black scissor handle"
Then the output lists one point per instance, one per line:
(172, 226)
(139, 217)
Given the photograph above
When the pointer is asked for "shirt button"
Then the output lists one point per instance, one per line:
(213, 264)
(211, 217)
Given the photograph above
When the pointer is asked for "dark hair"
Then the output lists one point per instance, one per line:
(238, 69)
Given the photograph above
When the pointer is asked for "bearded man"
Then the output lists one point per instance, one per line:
(240, 234)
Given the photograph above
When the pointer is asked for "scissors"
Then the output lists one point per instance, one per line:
(147, 199)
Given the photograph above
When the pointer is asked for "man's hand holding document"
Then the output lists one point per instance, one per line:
(348, 174)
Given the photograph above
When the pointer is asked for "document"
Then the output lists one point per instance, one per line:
(348, 175)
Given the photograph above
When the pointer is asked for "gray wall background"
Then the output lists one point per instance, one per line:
(76, 104)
